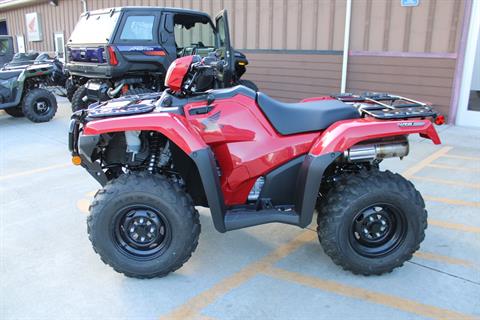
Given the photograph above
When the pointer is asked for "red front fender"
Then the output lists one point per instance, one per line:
(171, 125)
(344, 134)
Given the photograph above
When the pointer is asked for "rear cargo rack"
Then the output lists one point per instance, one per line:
(387, 106)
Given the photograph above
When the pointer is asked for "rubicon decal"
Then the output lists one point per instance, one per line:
(411, 124)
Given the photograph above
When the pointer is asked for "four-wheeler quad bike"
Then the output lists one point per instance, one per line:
(23, 89)
(252, 160)
(122, 51)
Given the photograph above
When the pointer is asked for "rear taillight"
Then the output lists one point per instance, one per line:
(440, 119)
(160, 53)
(112, 56)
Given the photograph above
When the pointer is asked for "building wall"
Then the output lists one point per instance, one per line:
(423, 79)
(53, 19)
(433, 26)
(295, 46)
(294, 76)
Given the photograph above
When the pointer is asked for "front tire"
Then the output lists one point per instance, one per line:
(371, 222)
(15, 112)
(39, 105)
(143, 225)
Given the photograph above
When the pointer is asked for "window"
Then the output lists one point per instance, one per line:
(94, 28)
(201, 34)
(3, 46)
(138, 28)
(221, 31)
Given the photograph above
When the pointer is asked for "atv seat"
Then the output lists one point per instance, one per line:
(291, 118)
(4, 75)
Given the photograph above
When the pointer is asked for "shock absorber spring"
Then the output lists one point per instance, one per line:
(155, 142)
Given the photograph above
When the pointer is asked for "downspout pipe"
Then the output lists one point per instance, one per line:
(346, 45)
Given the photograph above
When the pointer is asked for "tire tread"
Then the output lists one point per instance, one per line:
(161, 185)
(349, 188)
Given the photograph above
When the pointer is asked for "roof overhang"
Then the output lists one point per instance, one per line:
(14, 4)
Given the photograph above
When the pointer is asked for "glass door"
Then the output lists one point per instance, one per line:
(21, 43)
(468, 113)
(59, 42)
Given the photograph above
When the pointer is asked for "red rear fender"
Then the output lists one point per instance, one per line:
(173, 126)
(344, 134)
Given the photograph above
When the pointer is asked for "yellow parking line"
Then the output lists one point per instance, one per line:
(453, 201)
(30, 172)
(447, 167)
(91, 193)
(449, 182)
(420, 165)
(83, 205)
(453, 226)
(396, 302)
(444, 259)
(191, 308)
(462, 157)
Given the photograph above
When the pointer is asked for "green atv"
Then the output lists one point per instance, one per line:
(23, 90)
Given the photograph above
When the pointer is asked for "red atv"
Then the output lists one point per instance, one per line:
(252, 160)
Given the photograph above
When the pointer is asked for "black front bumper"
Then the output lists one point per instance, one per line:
(73, 133)
(84, 146)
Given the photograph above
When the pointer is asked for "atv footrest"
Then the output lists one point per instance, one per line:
(238, 219)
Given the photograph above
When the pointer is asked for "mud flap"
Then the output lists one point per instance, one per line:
(308, 184)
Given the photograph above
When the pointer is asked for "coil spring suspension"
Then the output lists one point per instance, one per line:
(155, 141)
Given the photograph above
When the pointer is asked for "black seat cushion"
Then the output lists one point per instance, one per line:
(4, 75)
(290, 118)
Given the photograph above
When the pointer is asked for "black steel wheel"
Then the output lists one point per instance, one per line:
(371, 222)
(143, 226)
(377, 230)
(142, 231)
(39, 105)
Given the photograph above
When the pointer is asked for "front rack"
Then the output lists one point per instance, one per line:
(387, 106)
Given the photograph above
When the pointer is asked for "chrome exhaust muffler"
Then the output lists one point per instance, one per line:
(376, 150)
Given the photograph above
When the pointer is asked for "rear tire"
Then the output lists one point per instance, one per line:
(143, 225)
(248, 84)
(371, 222)
(39, 105)
(15, 112)
(70, 92)
(77, 99)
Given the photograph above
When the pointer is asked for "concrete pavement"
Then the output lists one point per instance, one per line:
(49, 270)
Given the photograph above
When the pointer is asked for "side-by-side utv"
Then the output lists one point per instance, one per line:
(23, 89)
(127, 50)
